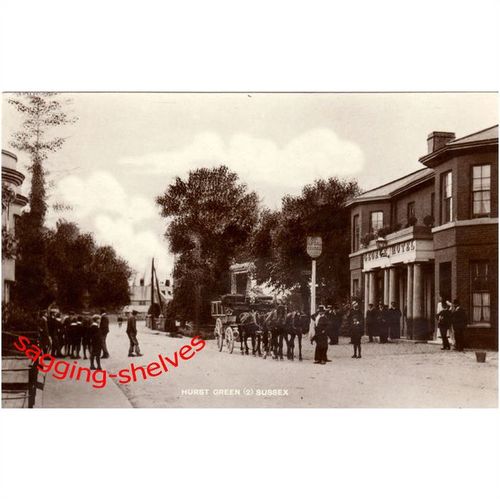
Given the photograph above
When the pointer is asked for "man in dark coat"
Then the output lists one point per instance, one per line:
(459, 323)
(320, 337)
(334, 317)
(371, 322)
(67, 334)
(104, 329)
(444, 323)
(52, 331)
(356, 328)
(95, 343)
(383, 319)
(86, 334)
(73, 332)
(132, 335)
(394, 321)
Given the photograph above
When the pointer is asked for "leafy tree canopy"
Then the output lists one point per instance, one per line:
(210, 216)
(279, 242)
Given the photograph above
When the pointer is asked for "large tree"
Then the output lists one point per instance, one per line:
(279, 242)
(43, 113)
(82, 273)
(211, 216)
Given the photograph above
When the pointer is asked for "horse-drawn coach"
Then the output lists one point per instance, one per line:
(232, 312)
(240, 317)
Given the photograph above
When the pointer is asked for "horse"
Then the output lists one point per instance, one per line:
(249, 327)
(296, 324)
(274, 324)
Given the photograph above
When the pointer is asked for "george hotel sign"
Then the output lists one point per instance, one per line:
(399, 253)
(398, 248)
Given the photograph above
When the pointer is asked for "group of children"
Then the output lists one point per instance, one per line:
(77, 334)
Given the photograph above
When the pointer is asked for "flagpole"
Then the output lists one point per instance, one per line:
(152, 287)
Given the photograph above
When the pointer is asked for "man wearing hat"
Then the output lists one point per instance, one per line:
(320, 336)
(104, 329)
(132, 335)
(95, 338)
(459, 323)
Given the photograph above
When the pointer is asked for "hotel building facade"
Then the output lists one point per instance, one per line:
(431, 234)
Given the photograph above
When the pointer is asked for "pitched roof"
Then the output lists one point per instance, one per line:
(482, 135)
(483, 138)
(387, 190)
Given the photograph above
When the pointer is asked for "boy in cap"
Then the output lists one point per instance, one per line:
(95, 343)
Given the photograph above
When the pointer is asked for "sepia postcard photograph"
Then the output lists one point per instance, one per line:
(249, 250)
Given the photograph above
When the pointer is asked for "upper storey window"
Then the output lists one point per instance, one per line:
(481, 195)
(446, 197)
(376, 221)
(356, 233)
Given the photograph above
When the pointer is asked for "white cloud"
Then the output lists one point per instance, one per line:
(136, 246)
(272, 170)
(100, 204)
(102, 192)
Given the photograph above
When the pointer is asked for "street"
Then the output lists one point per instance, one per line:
(396, 375)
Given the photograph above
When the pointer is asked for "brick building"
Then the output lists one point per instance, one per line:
(433, 233)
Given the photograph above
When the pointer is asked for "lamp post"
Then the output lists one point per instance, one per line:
(314, 249)
(381, 243)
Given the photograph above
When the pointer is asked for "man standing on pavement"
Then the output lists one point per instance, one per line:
(95, 343)
(320, 337)
(356, 328)
(132, 335)
(371, 322)
(394, 321)
(383, 320)
(104, 329)
(444, 323)
(334, 317)
(459, 323)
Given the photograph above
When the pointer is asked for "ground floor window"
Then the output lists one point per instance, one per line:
(480, 292)
(481, 307)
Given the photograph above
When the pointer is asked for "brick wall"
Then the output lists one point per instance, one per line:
(461, 171)
(421, 196)
(460, 246)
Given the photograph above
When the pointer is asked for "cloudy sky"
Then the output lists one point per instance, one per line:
(126, 148)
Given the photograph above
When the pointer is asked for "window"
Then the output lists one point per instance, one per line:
(481, 181)
(410, 212)
(376, 221)
(480, 291)
(432, 204)
(356, 230)
(446, 198)
(355, 288)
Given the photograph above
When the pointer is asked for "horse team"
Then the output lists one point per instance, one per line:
(271, 331)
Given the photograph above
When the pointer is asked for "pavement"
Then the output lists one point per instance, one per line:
(397, 375)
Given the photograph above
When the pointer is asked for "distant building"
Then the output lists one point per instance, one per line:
(433, 233)
(243, 281)
(12, 206)
(140, 293)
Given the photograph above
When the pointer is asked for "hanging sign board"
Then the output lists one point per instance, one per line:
(314, 246)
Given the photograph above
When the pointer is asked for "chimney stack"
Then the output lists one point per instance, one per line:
(436, 140)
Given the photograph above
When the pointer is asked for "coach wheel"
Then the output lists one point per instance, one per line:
(229, 334)
(219, 334)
